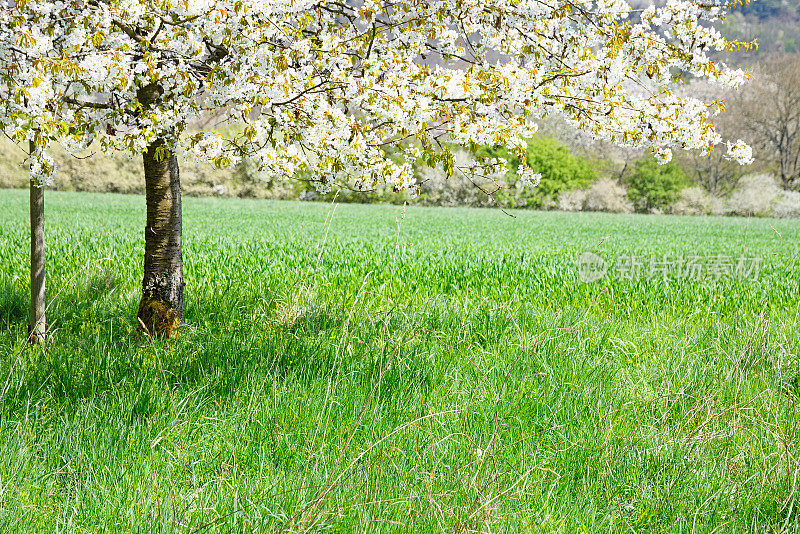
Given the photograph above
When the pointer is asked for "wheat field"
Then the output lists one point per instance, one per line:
(353, 368)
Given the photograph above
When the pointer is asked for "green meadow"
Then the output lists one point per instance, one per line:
(374, 368)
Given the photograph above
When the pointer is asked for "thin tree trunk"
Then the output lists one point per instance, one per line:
(161, 307)
(37, 329)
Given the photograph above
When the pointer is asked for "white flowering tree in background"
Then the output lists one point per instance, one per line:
(344, 93)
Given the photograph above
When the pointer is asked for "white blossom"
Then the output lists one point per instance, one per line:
(740, 152)
(340, 93)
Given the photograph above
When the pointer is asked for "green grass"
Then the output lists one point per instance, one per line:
(441, 372)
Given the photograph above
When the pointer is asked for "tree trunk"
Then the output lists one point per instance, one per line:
(161, 307)
(37, 330)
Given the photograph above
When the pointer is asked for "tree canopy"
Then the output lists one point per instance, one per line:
(331, 88)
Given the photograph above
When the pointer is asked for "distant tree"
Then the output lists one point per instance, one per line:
(764, 8)
(654, 187)
(712, 169)
(326, 88)
(559, 168)
(713, 172)
(769, 111)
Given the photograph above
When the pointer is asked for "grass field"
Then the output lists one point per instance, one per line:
(360, 369)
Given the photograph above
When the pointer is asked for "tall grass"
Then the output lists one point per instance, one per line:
(369, 369)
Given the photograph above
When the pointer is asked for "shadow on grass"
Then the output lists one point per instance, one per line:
(97, 348)
(13, 305)
(230, 341)
(66, 309)
(99, 284)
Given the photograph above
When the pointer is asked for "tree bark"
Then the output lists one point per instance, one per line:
(161, 308)
(37, 329)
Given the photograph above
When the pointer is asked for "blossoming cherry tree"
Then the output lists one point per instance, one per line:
(330, 89)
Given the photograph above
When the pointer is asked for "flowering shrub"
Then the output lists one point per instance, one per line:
(460, 189)
(571, 200)
(696, 201)
(607, 195)
(787, 205)
(755, 195)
